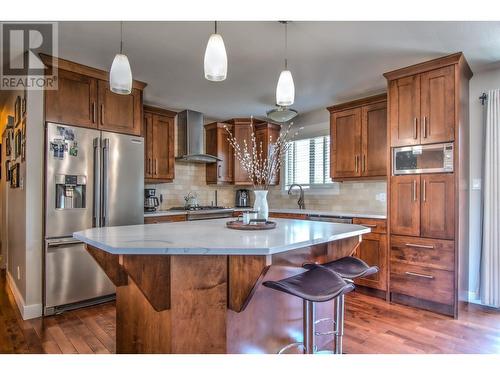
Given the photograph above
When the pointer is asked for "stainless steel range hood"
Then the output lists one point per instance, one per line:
(190, 147)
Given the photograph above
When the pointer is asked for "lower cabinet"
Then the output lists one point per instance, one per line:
(423, 268)
(283, 215)
(164, 219)
(373, 250)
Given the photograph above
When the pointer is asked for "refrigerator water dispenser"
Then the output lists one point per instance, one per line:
(70, 191)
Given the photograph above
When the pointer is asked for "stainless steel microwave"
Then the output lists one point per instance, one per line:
(437, 158)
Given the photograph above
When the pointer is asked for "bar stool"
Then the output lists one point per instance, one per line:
(318, 284)
(348, 268)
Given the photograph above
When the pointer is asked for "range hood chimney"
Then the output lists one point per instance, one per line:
(190, 138)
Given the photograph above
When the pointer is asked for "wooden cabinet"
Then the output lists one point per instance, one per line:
(428, 103)
(74, 102)
(374, 251)
(119, 113)
(358, 139)
(83, 98)
(405, 205)
(423, 268)
(218, 145)
(423, 205)
(438, 206)
(164, 219)
(159, 158)
(285, 215)
(242, 131)
(374, 140)
(422, 107)
(266, 134)
(345, 130)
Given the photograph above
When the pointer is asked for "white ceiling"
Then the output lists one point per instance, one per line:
(330, 61)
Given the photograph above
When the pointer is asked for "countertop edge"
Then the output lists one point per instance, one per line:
(225, 251)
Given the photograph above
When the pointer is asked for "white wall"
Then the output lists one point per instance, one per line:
(481, 82)
(22, 230)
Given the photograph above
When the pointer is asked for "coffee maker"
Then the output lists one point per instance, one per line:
(151, 202)
(242, 198)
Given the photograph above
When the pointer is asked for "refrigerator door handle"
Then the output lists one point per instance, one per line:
(96, 216)
(105, 181)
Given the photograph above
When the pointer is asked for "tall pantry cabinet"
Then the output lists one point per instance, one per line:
(428, 213)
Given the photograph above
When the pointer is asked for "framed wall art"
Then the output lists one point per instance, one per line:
(17, 111)
(23, 140)
(7, 170)
(17, 143)
(14, 176)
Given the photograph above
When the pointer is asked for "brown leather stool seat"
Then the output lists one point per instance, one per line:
(347, 267)
(316, 285)
(319, 284)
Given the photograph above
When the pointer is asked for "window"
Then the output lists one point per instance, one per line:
(307, 162)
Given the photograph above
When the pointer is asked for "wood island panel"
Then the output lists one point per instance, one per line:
(216, 303)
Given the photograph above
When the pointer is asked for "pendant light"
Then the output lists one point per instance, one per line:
(285, 90)
(120, 75)
(215, 62)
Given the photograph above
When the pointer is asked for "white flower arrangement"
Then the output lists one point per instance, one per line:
(262, 167)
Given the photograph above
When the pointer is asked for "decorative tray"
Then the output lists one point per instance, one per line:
(254, 225)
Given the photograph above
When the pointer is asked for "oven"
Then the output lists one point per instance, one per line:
(437, 158)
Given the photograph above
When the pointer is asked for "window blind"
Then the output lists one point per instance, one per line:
(307, 162)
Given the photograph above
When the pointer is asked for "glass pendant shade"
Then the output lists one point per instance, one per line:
(285, 90)
(120, 75)
(215, 59)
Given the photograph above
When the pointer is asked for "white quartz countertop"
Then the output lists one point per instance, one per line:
(284, 210)
(211, 237)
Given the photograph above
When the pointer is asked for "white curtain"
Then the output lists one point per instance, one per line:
(490, 253)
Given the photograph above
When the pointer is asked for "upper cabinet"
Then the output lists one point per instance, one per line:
(229, 170)
(242, 131)
(74, 102)
(83, 98)
(217, 144)
(159, 136)
(422, 107)
(119, 113)
(266, 134)
(358, 139)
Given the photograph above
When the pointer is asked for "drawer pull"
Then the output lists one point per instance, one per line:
(370, 225)
(419, 275)
(420, 246)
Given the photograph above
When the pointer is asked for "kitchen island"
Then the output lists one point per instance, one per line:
(196, 287)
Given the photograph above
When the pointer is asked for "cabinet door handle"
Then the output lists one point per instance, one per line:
(425, 126)
(218, 171)
(156, 167)
(415, 128)
(93, 113)
(424, 195)
(414, 190)
(419, 246)
(102, 114)
(419, 275)
(356, 163)
(364, 162)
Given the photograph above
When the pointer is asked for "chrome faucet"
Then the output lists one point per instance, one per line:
(300, 202)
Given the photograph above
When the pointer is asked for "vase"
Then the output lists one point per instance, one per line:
(260, 204)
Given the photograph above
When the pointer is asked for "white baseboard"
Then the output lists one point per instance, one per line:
(27, 311)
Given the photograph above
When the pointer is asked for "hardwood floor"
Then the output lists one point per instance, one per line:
(372, 326)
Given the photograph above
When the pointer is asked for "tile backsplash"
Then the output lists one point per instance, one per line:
(190, 177)
(359, 197)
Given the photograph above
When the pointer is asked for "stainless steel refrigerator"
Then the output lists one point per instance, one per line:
(93, 179)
